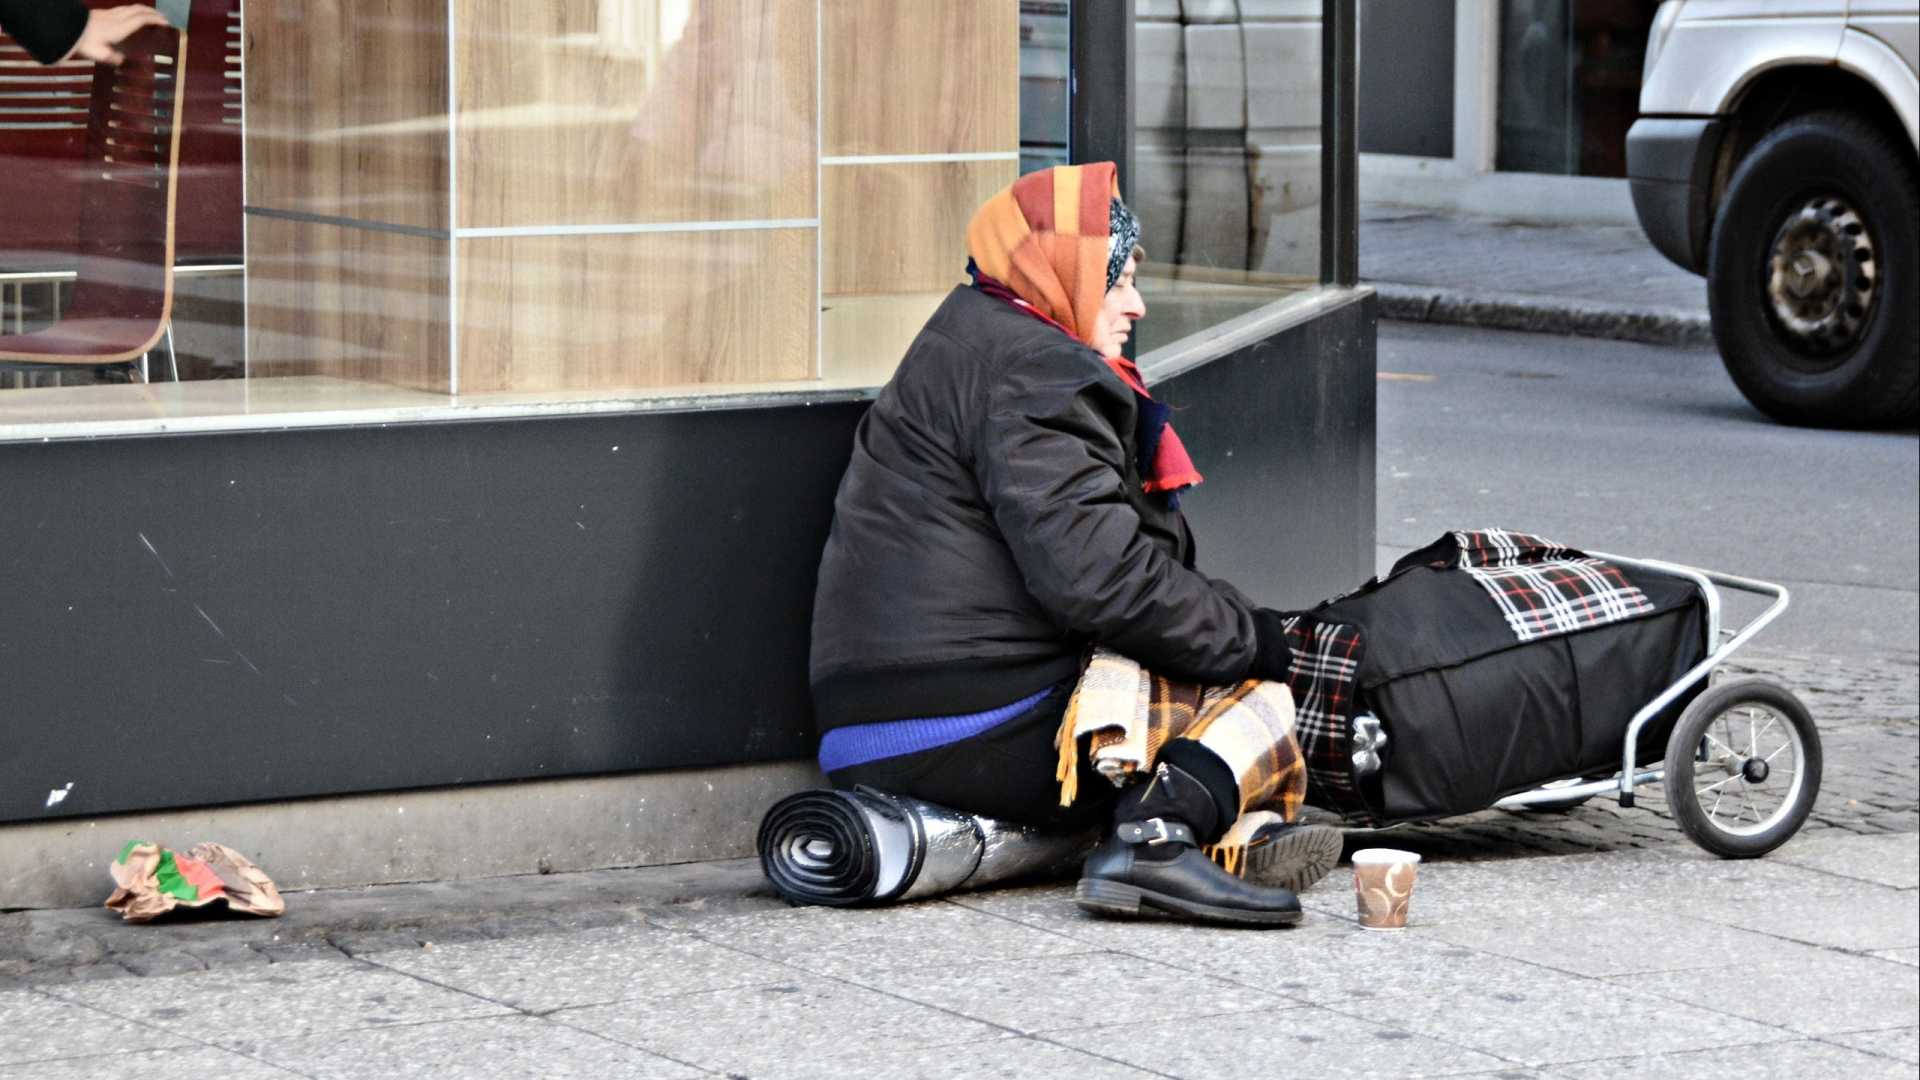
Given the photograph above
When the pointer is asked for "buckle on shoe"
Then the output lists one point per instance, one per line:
(1153, 832)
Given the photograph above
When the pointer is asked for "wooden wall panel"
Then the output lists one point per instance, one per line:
(926, 77)
(863, 338)
(346, 109)
(351, 303)
(586, 111)
(636, 310)
(902, 227)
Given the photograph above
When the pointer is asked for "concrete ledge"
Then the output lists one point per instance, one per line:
(540, 826)
(1543, 315)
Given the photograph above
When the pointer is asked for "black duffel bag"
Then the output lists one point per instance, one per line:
(1493, 662)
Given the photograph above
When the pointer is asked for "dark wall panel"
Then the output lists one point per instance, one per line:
(1284, 433)
(204, 619)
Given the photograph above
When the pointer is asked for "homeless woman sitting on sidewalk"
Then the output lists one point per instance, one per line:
(1008, 620)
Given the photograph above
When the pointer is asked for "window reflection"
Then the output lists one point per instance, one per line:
(1227, 158)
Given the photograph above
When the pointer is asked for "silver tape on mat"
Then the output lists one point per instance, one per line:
(925, 850)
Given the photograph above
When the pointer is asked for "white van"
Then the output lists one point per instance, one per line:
(1778, 153)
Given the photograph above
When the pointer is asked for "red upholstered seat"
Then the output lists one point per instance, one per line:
(123, 289)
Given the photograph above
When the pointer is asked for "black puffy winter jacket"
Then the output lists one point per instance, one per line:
(992, 525)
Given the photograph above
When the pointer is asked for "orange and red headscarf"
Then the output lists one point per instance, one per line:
(1042, 245)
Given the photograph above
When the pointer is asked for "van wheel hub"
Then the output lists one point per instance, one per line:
(1821, 276)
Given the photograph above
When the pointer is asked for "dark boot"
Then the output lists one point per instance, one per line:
(1153, 860)
(1294, 855)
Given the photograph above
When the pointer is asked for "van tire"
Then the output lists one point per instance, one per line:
(1873, 378)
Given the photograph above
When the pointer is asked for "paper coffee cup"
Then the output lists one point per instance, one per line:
(1383, 886)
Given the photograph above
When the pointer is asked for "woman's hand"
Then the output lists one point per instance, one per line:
(107, 27)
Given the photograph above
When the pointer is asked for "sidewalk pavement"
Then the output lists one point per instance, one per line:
(1595, 943)
(1592, 280)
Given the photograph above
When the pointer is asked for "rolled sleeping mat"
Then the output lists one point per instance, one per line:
(867, 848)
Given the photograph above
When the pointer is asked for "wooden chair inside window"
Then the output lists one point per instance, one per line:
(122, 302)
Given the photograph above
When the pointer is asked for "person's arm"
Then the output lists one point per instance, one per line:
(1053, 469)
(54, 30)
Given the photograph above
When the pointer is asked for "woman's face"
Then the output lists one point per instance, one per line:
(1123, 307)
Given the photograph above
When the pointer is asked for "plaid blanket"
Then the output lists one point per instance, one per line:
(1128, 714)
(1326, 663)
(1544, 588)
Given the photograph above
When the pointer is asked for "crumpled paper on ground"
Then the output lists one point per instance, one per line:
(152, 880)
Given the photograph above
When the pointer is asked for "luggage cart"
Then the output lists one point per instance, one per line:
(1743, 764)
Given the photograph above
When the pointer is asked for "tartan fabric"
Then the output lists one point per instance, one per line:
(1543, 588)
(1250, 727)
(1326, 664)
(1128, 715)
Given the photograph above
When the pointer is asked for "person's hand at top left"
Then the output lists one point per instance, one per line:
(107, 27)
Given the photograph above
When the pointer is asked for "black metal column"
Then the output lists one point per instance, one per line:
(1100, 85)
(1339, 148)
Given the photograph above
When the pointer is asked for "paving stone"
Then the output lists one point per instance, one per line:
(1605, 944)
(97, 973)
(1872, 918)
(1902, 1044)
(1051, 908)
(1909, 957)
(821, 1022)
(1772, 1061)
(1620, 883)
(369, 942)
(1511, 1073)
(1561, 1018)
(39, 1028)
(224, 954)
(835, 941)
(505, 926)
(1333, 961)
(1005, 1059)
(1857, 992)
(231, 1007)
(1051, 993)
(1887, 860)
(72, 950)
(494, 1048)
(592, 967)
(163, 962)
(295, 954)
(1300, 1044)
(187, 1060)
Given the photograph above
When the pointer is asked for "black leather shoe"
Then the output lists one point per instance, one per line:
(1120, 879)
(1293, 856)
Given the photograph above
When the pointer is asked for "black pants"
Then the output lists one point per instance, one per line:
(1005, 772)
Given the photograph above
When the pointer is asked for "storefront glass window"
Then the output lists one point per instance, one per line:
(1227, 158)
(404, 210)
(1570, 83)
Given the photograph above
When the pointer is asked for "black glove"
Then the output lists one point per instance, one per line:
(1272, 656)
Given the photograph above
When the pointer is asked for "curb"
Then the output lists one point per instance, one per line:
(1543, 315)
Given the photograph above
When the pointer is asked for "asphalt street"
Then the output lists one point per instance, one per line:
(1650, 451)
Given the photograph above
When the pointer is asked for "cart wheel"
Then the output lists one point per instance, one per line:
(1743, 767)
